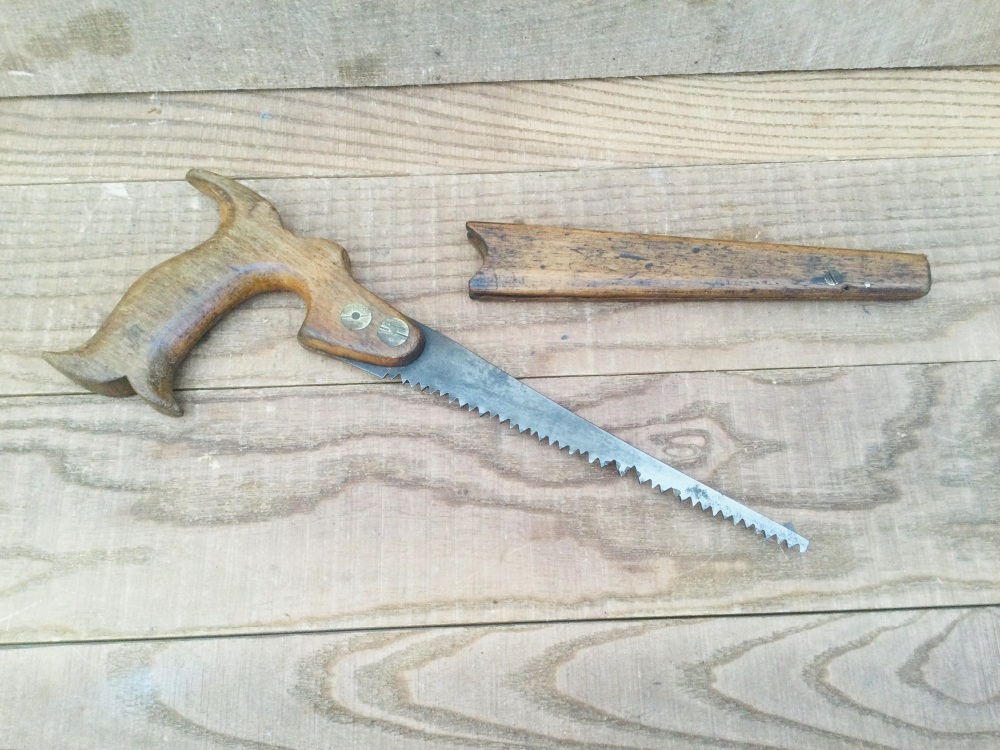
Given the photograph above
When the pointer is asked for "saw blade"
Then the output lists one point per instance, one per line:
(449, 369)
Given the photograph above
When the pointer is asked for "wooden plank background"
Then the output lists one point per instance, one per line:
(864, 679)
(79, 47)
(309, 558)
(660, 121)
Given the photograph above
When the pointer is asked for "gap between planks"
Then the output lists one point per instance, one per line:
(178, 178)
(528, 380)
(479, 625)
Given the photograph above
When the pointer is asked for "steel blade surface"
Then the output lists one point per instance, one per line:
(449, 369)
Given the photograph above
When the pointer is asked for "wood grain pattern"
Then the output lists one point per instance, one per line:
(59, 278)
(73, 47)
(474, 128)
(358, 506)
(388, 571)
(525, 261)
(905, 679)
(165, 312)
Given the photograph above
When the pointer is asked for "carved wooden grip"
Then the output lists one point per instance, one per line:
(551, 262)
(163, 315)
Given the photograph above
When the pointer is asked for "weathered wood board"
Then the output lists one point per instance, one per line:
(476, 128)
(73, 46)
(69, 252)
(376, 505)
(312, 559)
(902, 679)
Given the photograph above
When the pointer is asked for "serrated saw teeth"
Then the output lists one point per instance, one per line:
(446, 368)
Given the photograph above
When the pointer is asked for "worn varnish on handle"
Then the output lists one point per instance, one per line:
(524, 261)
(163, 315)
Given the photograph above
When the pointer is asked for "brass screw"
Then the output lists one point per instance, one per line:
(355, 316)
(394, 331)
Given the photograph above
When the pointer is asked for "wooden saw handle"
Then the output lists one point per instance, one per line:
(163, 315)
(550, 262)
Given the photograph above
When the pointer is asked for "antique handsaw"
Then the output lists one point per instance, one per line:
(165, 312)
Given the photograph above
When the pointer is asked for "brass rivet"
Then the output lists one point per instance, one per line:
(355, 316)
(394, 331)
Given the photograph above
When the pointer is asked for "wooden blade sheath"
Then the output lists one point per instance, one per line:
(521, 260)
